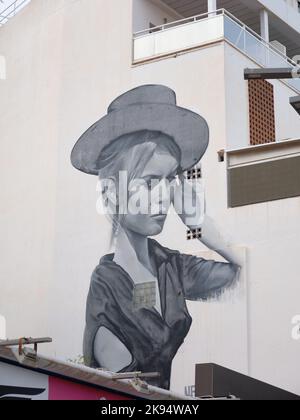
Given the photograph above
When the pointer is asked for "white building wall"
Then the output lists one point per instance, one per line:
(59, 81)
(287, 121)
(286, 118)
(271, 234)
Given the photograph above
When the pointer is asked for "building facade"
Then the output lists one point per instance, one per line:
(64, 62)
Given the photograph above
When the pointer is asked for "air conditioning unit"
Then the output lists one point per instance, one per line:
(279, 47)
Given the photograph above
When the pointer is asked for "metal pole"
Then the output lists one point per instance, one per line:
(134, 375)
(275, 73)
(11, 343)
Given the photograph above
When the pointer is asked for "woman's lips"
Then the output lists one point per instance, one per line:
(159, 216)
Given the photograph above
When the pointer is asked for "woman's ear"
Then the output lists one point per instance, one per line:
(109, 195)
(111, 192)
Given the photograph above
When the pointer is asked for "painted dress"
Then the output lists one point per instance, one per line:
(152, 339)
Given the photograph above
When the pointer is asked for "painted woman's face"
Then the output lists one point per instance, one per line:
(150, 196)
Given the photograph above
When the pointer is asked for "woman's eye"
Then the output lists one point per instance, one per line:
(152, 183)
(171, 179)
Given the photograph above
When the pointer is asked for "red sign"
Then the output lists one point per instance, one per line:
(60, 389)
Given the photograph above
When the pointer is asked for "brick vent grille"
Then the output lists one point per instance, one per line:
(194, 234)
(195, 173)
(261, 112)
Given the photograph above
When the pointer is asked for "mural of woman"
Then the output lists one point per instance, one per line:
(136, 313)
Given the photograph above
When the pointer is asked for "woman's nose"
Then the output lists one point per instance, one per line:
(162, 192)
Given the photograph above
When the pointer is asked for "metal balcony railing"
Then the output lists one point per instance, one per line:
(198, 30)
(11, 10)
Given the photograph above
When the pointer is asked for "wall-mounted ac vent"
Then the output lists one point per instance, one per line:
(265, 181)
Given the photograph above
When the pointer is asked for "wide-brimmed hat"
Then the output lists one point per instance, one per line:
(149, 107)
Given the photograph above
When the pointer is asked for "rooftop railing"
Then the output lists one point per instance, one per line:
(11, 10)
(195, 31)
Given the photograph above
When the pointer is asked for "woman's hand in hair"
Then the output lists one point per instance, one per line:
(189, 202)
(214, 238)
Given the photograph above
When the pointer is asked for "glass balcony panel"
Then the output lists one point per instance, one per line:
(234, 33)
(255, 48)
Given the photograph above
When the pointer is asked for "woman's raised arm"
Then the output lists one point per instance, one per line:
(213, 239)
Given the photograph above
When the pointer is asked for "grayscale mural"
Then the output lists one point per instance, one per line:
(136, 313)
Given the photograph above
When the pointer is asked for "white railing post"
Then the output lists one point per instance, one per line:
(212, 6)
(264, 25)
(265, 33)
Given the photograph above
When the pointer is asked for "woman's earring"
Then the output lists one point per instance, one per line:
(117, 229)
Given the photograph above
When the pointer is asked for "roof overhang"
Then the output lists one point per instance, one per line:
(84, 375)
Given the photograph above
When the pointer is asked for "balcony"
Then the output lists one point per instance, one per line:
(281, 24)
(197, 31)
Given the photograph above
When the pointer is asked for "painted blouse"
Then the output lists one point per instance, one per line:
(152, 339)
